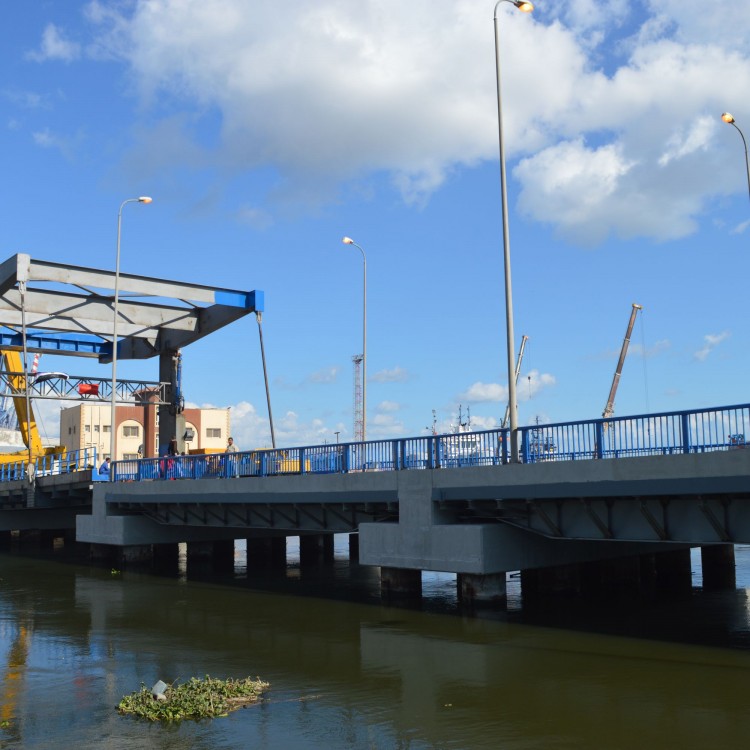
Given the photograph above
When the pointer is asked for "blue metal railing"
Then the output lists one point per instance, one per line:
(56, 463)
(695, 431)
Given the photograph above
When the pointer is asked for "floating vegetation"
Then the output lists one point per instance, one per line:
(197, 699)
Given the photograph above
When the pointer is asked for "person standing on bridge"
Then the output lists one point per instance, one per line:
(232, 462)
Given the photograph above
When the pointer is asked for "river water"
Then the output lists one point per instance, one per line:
(348, 672)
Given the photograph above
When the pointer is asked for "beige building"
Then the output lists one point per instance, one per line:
(88, 426)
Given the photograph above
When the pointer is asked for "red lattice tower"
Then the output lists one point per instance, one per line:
(359, 422)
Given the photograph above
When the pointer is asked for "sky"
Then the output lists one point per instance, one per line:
(265, 131)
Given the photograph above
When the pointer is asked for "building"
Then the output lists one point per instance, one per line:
(88, 425)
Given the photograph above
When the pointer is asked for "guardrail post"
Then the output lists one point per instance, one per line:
(430, 452)
(524, 445)
(302, 461)
(598, 439)
(685, 427)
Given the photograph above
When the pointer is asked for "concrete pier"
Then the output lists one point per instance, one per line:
(717, 562)
(266, 552)
(674, 573)
(481, 589)
(315, 549)
(400, 583)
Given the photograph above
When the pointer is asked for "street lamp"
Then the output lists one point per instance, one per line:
(730, 121)
(350, 241)
(525, 7)
(112, 429)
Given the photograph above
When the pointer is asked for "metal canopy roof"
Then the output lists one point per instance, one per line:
(70, 310)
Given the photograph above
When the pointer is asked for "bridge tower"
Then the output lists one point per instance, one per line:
(358, 407)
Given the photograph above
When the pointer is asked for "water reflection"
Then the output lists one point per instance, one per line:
(358, 675)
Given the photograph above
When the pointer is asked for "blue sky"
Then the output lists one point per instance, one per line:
(266, 131)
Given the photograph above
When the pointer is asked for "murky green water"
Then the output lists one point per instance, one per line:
(74, 639)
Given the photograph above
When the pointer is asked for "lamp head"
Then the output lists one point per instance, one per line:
(144, 199)
(523, 6)
(727, 118)
(347, 240)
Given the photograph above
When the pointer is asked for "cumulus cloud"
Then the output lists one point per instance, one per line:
(396, 375)
(528, 386)
(55, 46)
(612, 128)
(711, 341)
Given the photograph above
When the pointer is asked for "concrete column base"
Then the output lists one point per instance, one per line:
(222, 555)
(315, 549)
(135, 554)
(354, 548)
(719, 572)
(553, 581)
(482, 589)
(266, 552)
(166, 557)
(674, 574)
(401, 583)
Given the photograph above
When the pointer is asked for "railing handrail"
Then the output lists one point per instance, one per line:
(662, 433)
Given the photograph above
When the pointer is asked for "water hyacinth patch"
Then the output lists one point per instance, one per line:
(196, 699)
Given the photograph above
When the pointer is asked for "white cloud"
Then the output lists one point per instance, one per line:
(396, 375)
(711, 341)
(615, 122)
(388, 406)
(55, 46)
(484, 392)
(327, 375)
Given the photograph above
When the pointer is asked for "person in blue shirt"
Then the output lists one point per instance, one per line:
(104, 468)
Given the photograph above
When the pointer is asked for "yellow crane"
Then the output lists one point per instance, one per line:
(25, 414)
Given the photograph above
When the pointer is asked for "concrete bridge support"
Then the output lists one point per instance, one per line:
(219, 554)
(354, 548)
(266, 552)
(400, 583)
(482, 589)
(166, 557)
(717, 562)
(674, 573)
(315, 549)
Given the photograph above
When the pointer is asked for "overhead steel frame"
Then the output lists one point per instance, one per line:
(65, 309)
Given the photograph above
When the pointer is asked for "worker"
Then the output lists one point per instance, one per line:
(104, 468)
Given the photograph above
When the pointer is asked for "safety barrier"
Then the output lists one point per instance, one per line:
(55, 463)
(694, 431)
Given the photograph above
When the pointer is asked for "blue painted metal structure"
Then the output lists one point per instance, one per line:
(669, 433)
(50, 465)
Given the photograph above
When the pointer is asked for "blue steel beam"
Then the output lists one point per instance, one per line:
(53, 343)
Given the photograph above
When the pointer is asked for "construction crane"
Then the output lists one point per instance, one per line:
(609, 409)
(524, 339)
(26, 420)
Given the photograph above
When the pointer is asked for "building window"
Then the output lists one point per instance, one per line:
(131, 430)
(70, 430)
(106, 428)
(96, 428)
(87, 428)
(213, 432)
(129, 456)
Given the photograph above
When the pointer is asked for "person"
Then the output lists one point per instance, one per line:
(232, 463)
(172, 449)
(104, 468)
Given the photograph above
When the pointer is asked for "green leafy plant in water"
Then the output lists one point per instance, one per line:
(196, 699)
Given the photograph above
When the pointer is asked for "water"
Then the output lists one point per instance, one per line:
(357, 674)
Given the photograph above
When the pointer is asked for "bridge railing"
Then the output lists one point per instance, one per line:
(694, 431)
(55, 463)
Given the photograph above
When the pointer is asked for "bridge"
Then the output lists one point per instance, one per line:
(586, 491)
(641, 489)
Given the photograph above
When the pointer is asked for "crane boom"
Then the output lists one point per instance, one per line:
(609, 409)
(524, 339)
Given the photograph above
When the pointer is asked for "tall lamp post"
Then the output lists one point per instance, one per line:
(350, 241)
(730, 121)
(525, 7)
(112, 429)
